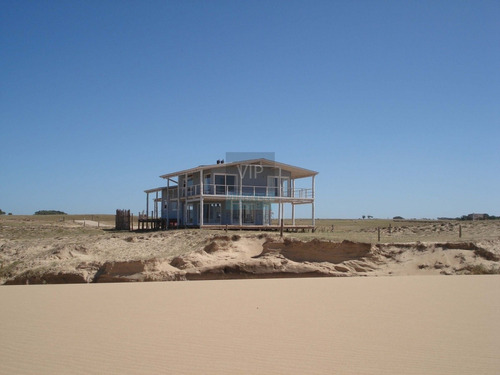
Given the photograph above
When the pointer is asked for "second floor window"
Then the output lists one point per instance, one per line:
(225, 184)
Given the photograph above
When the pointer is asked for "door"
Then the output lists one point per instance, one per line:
(274, 185)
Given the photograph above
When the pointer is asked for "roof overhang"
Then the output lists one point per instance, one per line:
(296, 172)
(154, 190)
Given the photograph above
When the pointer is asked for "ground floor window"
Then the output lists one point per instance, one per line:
(249, 213)
(212, 213)
(190, 213)
(229, 212)
(236, 213)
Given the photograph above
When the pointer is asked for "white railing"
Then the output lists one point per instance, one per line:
(246, 191)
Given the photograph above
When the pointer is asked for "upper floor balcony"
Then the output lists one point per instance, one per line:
(233, 191)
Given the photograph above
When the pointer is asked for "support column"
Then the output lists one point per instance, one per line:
(279, 182)
(167, 200)
(240, 182)
(185, 212)
(292, 195)
(312, 204)
(201, 182)
(201, 211)
(184, 193)
(178, 203)
(156, 206)
(147, 209)
(241, 212)
(201, 198)
(279, 213)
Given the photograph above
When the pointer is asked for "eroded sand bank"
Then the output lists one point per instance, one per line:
(385, 325)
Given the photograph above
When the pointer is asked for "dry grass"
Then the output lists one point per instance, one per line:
(391, 231)
(481, 269)
(49, 226)
(400, 230)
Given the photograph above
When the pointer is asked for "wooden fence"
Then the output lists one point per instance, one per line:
(122, 220)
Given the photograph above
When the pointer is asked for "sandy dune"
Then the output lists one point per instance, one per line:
(58, 250)
(385, 325)
(192, 255)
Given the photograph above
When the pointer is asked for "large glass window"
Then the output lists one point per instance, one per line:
(212, 213)
(274, 186)
(207, 187)
(248, 213)
(220, 184)
(225, 184)
(236, 213)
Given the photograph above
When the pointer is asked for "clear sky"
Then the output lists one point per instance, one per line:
(395, 103)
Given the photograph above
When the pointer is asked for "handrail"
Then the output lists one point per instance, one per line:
(246, 191)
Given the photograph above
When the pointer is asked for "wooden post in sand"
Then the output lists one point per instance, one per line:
(378, 230)
(281, 228)
(460, 231)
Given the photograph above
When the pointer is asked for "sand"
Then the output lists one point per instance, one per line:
(363, 325)
(414, 322)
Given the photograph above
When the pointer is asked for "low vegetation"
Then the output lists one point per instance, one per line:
(472, 217)
(481, 269)
(8, 270)
(50, 212)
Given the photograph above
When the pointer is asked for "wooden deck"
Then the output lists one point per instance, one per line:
(268, 228)
(152, 224)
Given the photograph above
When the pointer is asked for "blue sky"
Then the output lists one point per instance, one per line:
(395, 103)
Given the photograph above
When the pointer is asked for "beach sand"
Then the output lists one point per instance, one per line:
(375, 325)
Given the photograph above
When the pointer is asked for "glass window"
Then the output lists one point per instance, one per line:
(231, 182)
(225, 184)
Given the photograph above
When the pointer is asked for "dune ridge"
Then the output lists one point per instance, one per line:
(217, 256)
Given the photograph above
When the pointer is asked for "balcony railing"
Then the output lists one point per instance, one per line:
(246, 191)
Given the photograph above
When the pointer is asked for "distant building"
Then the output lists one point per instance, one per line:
(479, 216)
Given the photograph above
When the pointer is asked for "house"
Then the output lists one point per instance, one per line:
(478, 216)
(235, 195)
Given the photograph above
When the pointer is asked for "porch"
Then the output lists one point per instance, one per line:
(161, 224)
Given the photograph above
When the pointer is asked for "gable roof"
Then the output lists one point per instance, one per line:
(296, 172)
